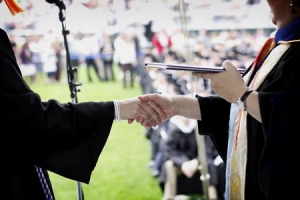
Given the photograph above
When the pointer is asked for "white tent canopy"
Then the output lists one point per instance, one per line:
(81, 19)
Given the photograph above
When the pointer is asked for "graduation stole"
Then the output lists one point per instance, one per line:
(13, 7)
(237, 144)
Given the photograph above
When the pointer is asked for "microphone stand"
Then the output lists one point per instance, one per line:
(200, 139)
(71, 71)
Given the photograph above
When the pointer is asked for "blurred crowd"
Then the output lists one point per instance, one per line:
(129, 49)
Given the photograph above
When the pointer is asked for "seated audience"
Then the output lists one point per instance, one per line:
(181, 158)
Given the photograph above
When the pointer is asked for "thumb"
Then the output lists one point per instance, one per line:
(228, 65)
(144, 98)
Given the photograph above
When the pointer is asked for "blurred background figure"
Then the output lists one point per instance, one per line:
(26, 65)
(50, 63)
(37, 45)
(162, 43)
(107, 51)
(89, 50)
(125, 56)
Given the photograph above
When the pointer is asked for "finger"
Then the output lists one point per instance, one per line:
(144, 98)
(156, 109)
(153, 120)
(139, 119)
(145, 123)
(145, 118)
(148, 114)
(199, 75)
(147, 126)
(229, 66)
(130, 121)
(155, 112)
(148, 97)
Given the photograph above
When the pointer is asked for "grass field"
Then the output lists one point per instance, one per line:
(121, 172)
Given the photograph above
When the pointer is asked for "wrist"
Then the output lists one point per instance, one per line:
(117, 111)
(241, 102)
(179, 105)
(240, 93)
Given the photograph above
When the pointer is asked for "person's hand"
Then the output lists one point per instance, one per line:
(134, 109)
(162, 104)
(170, 105)
(228, 84)
(189, 168)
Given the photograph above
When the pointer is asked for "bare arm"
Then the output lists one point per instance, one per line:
(252, 106)
(172, 105)
(187, 106)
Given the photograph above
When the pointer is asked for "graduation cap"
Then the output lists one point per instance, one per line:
(13, 7)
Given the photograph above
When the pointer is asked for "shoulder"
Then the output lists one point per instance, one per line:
(3, 33)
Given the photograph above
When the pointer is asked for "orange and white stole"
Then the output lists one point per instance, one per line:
(13, 7)
(237, 142)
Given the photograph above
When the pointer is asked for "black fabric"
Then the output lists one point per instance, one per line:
(181, 147)
(64, 138)
(270, 143)
(190, 186)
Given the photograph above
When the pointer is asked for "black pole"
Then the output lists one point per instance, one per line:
(71, 71)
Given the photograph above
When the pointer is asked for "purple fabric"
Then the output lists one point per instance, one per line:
(44, 183)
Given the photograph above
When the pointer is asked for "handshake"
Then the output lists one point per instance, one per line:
(151, 110)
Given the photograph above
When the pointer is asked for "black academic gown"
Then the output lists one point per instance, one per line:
(272, 161)
(66, 139)
(181, 147)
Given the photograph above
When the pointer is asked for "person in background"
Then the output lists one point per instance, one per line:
(74, 48)
(107, 51)
(64, 138)
(181, 157)
(125, 56)
(89, 51)
(50, 63)
(25, 56)
(162, 43)
(37, 47)
(253, 118)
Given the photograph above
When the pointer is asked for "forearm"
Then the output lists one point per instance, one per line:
(252, 106)
(187, 106)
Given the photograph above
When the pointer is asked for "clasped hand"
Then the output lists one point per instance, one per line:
(189, 168)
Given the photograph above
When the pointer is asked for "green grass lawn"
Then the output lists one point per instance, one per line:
(121, 172)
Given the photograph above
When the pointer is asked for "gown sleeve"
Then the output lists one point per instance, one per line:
(64, 138)
(215, 117)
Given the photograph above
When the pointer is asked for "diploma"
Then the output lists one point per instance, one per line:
(194, 68)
